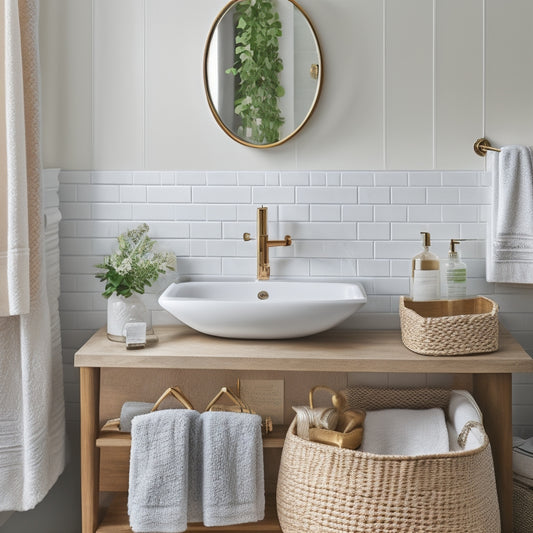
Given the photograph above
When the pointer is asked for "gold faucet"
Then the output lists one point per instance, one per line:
(263, 244)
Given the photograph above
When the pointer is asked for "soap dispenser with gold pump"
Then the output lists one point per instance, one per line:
(454, 273)
(425, 273)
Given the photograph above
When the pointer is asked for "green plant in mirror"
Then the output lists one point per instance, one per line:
(256, 68)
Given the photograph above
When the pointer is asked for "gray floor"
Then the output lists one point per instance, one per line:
(60, 511)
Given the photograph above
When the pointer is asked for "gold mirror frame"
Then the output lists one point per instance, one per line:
(317, 72)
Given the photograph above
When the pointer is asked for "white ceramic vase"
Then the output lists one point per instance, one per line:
(121, 311)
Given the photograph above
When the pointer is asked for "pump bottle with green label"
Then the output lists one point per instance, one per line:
(454, 273)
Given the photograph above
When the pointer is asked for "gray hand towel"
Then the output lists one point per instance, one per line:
(233, 478)
(164, 471)
(130, 410)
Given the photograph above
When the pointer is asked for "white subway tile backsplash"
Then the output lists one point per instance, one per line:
(373, 231)
(325, 267)
(294, 213)
(373, 268)
(464, 179)
(111, 211)
(133, 193)
(443, 195)
(221, 195)
(473, 195)
(67, 193)
(75, 211)
(330, 213)
(408, 195)
(374, 195)
(251, 178)
(146, 178)
(460, 213)
(190, 178)
(333, 179)
(221, 212)
(294, 178)
(318, 179)
(390, 179)
(357, 179)
(362, 225)
(271, 178)
(167, 195)
(74, 176)
(186, 212)
(356, 213)
(323, 195)
(425, 179)
(424, 213)
(390, 213)
(222, 178)
(206, 230)
(273, 195)
(112, 178)
(168, 178)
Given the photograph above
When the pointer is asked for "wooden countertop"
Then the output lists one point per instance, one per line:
(331, 351)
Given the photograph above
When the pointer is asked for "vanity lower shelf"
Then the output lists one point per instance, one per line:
(110, 436)
(116, 520)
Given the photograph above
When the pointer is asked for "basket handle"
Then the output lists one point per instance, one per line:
(176, 392)
(461, 439)
(338, 400)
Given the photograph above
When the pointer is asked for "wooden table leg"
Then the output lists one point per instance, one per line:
(90, 458)
(493, 393)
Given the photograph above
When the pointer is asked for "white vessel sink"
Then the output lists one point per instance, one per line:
(262, 309)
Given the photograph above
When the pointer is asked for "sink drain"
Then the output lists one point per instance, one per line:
(262, 295)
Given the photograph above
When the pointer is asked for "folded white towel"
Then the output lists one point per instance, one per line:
(405, 432)
(233, 479)
(510, 227)
(162, 468)
(523, 458)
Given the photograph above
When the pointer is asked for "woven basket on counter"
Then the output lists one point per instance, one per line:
(335, 490)
(450, 327)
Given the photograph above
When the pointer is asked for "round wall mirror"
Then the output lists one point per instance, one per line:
(262, 70)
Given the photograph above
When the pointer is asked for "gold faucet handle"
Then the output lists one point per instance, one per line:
(247, 237)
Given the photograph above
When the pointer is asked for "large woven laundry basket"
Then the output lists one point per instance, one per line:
(325, 489)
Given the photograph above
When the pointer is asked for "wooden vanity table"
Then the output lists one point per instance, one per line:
(104, 451)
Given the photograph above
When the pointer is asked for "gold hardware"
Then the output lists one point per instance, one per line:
(314, 71)
(246, 237)
(482, 145)
(224, 391)
(263, 295)
(263, 244)
(176, 392)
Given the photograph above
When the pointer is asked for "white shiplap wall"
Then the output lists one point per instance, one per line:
(409, 84)
(362, 225)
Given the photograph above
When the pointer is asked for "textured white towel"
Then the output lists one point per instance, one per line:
(233, 479)
(510, 227)
(32, 421)
(523, 458)
(405, 432)
(164, 472)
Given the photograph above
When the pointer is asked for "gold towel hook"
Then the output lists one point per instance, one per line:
(481, 146)
(224, 391)
(176, 392)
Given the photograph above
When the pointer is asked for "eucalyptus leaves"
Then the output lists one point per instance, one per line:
(257, 67)
(135, 264)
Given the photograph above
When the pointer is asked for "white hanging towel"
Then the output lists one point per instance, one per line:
(510, 226)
